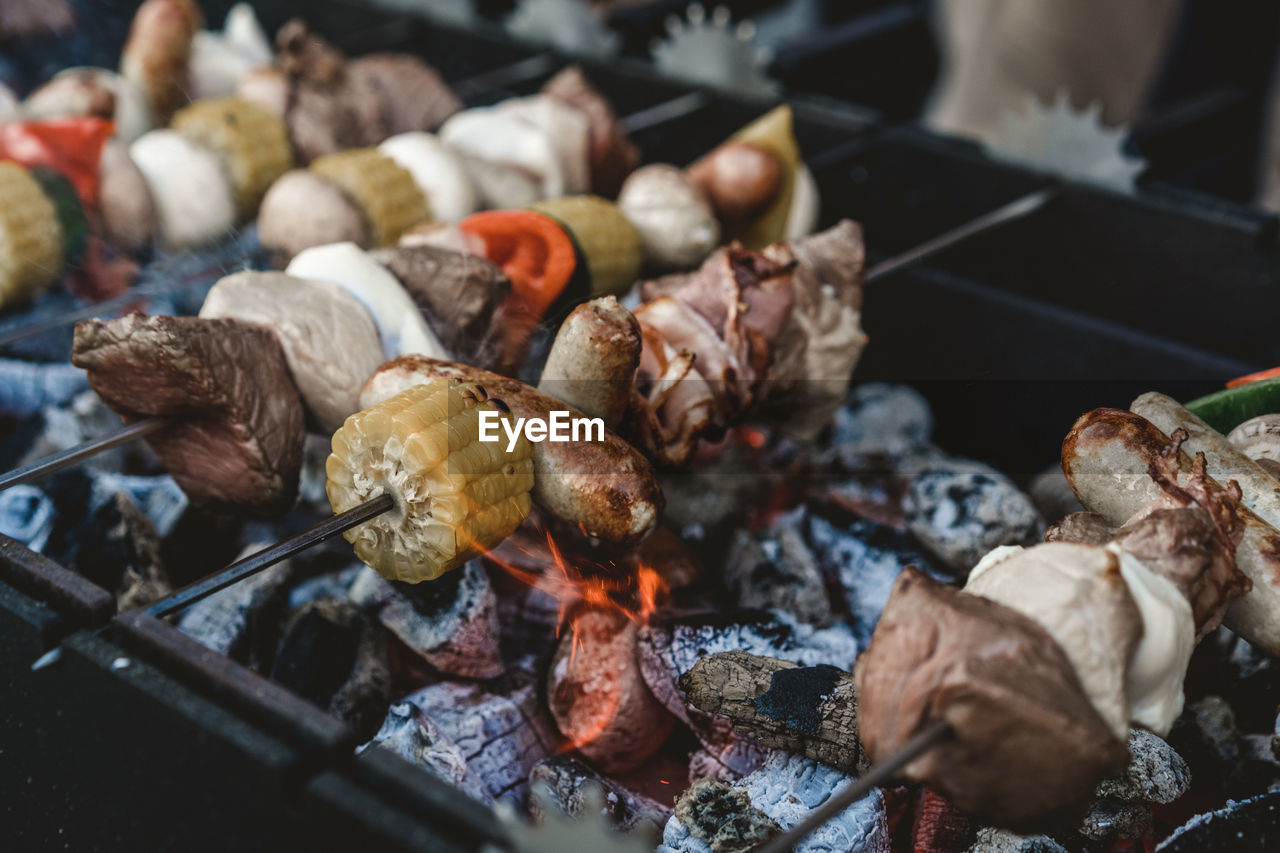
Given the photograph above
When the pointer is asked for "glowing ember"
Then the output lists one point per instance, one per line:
(635, 591)
(596, 693)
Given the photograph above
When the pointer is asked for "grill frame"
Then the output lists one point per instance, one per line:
(98, 752)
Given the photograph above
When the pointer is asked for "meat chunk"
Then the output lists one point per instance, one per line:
(612, 156)
(458, 293)
(329, 339)
(236, 440)
(774, 333)
(331, 104)
(1029, 747)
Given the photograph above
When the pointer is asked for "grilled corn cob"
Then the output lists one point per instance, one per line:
(30, 236)
(385, 191)
(456, 496)
(609, 241)
(253, 143)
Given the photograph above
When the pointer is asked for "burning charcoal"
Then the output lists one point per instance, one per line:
(83, 418)
(112, 543)
(715, 495)
(452, 622)
(312, 477)
(567, 783)
(27, 515)
(335, 584)
(501, 737)
(862, 557)
(333, 655)
(715, 816)
(528, 618)
(779, 571)
(776, 797)
(598, 697)
(788, 788)
(1243, 826)
(669, 556)
(27, 387)
(1052, 494)
(1109, 819)
(1156, 773)
(158, 497)
(940, 827)
(1003, 841)
(411, 735)
(810, 710)
(962, 509)
(1207, 737)
(668, 651)
(879, 420)
(221, 621)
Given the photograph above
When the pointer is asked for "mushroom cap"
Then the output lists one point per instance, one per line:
(1259, 439)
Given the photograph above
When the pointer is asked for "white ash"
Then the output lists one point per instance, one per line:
(961, 509)
(221, 621)
(335, 584)
(451, 622)
(571, 787)
(83, 418)
(880, 419)
(27, 514)
(1242, 825)
(786, 790)
(501, 738)
(715, 817)
(992, 840)
(863, 557)
(776, 569)
(27, 387)
(410, 734)
(159, 498)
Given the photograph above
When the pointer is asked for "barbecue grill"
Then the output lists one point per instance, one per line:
(142, 737)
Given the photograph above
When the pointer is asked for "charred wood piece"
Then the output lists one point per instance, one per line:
(810, 710)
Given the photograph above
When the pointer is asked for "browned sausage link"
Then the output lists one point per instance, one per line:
(1107, 457)
(606, 487)
(592, 364)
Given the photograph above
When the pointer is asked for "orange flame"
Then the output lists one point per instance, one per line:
(583, 588)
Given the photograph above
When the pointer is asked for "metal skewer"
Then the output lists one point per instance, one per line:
(1017, 209)
(929, 737)
(250, 565)
(72, 455)
(267, 557)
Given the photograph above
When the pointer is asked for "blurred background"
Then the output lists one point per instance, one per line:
(1192, 82)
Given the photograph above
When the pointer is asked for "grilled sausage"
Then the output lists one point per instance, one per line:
(1108, 456)
(606, 487)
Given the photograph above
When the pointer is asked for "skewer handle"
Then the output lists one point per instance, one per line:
(1017, 209)
(267, 557)
(929, 737)
(72, 455)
